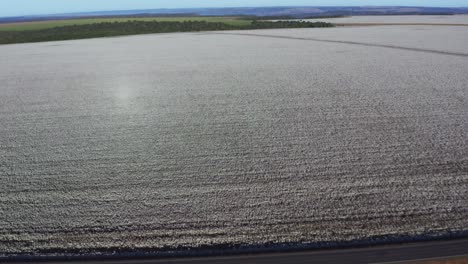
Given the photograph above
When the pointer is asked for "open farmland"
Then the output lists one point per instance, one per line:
(295, 138)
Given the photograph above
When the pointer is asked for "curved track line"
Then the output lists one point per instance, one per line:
(350, 43)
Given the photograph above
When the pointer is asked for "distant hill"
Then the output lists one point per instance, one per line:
(293, 12)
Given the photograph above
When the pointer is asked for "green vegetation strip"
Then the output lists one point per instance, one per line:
(108, 29)
(35, 25)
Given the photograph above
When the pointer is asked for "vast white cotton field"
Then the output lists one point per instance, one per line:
(240, 138)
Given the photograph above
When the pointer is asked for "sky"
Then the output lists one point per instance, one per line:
(37, 7)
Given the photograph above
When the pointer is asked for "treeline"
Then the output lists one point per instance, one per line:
(287, 24)
(108, 29)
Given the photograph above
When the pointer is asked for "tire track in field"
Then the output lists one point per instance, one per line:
(440, 52)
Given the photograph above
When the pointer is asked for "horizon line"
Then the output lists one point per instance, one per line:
(227, 7)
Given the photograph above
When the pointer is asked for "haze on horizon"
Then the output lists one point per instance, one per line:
(41, 7)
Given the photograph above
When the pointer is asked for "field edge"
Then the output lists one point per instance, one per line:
(111, 253)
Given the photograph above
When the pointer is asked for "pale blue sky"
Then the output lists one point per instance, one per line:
(30, 7)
